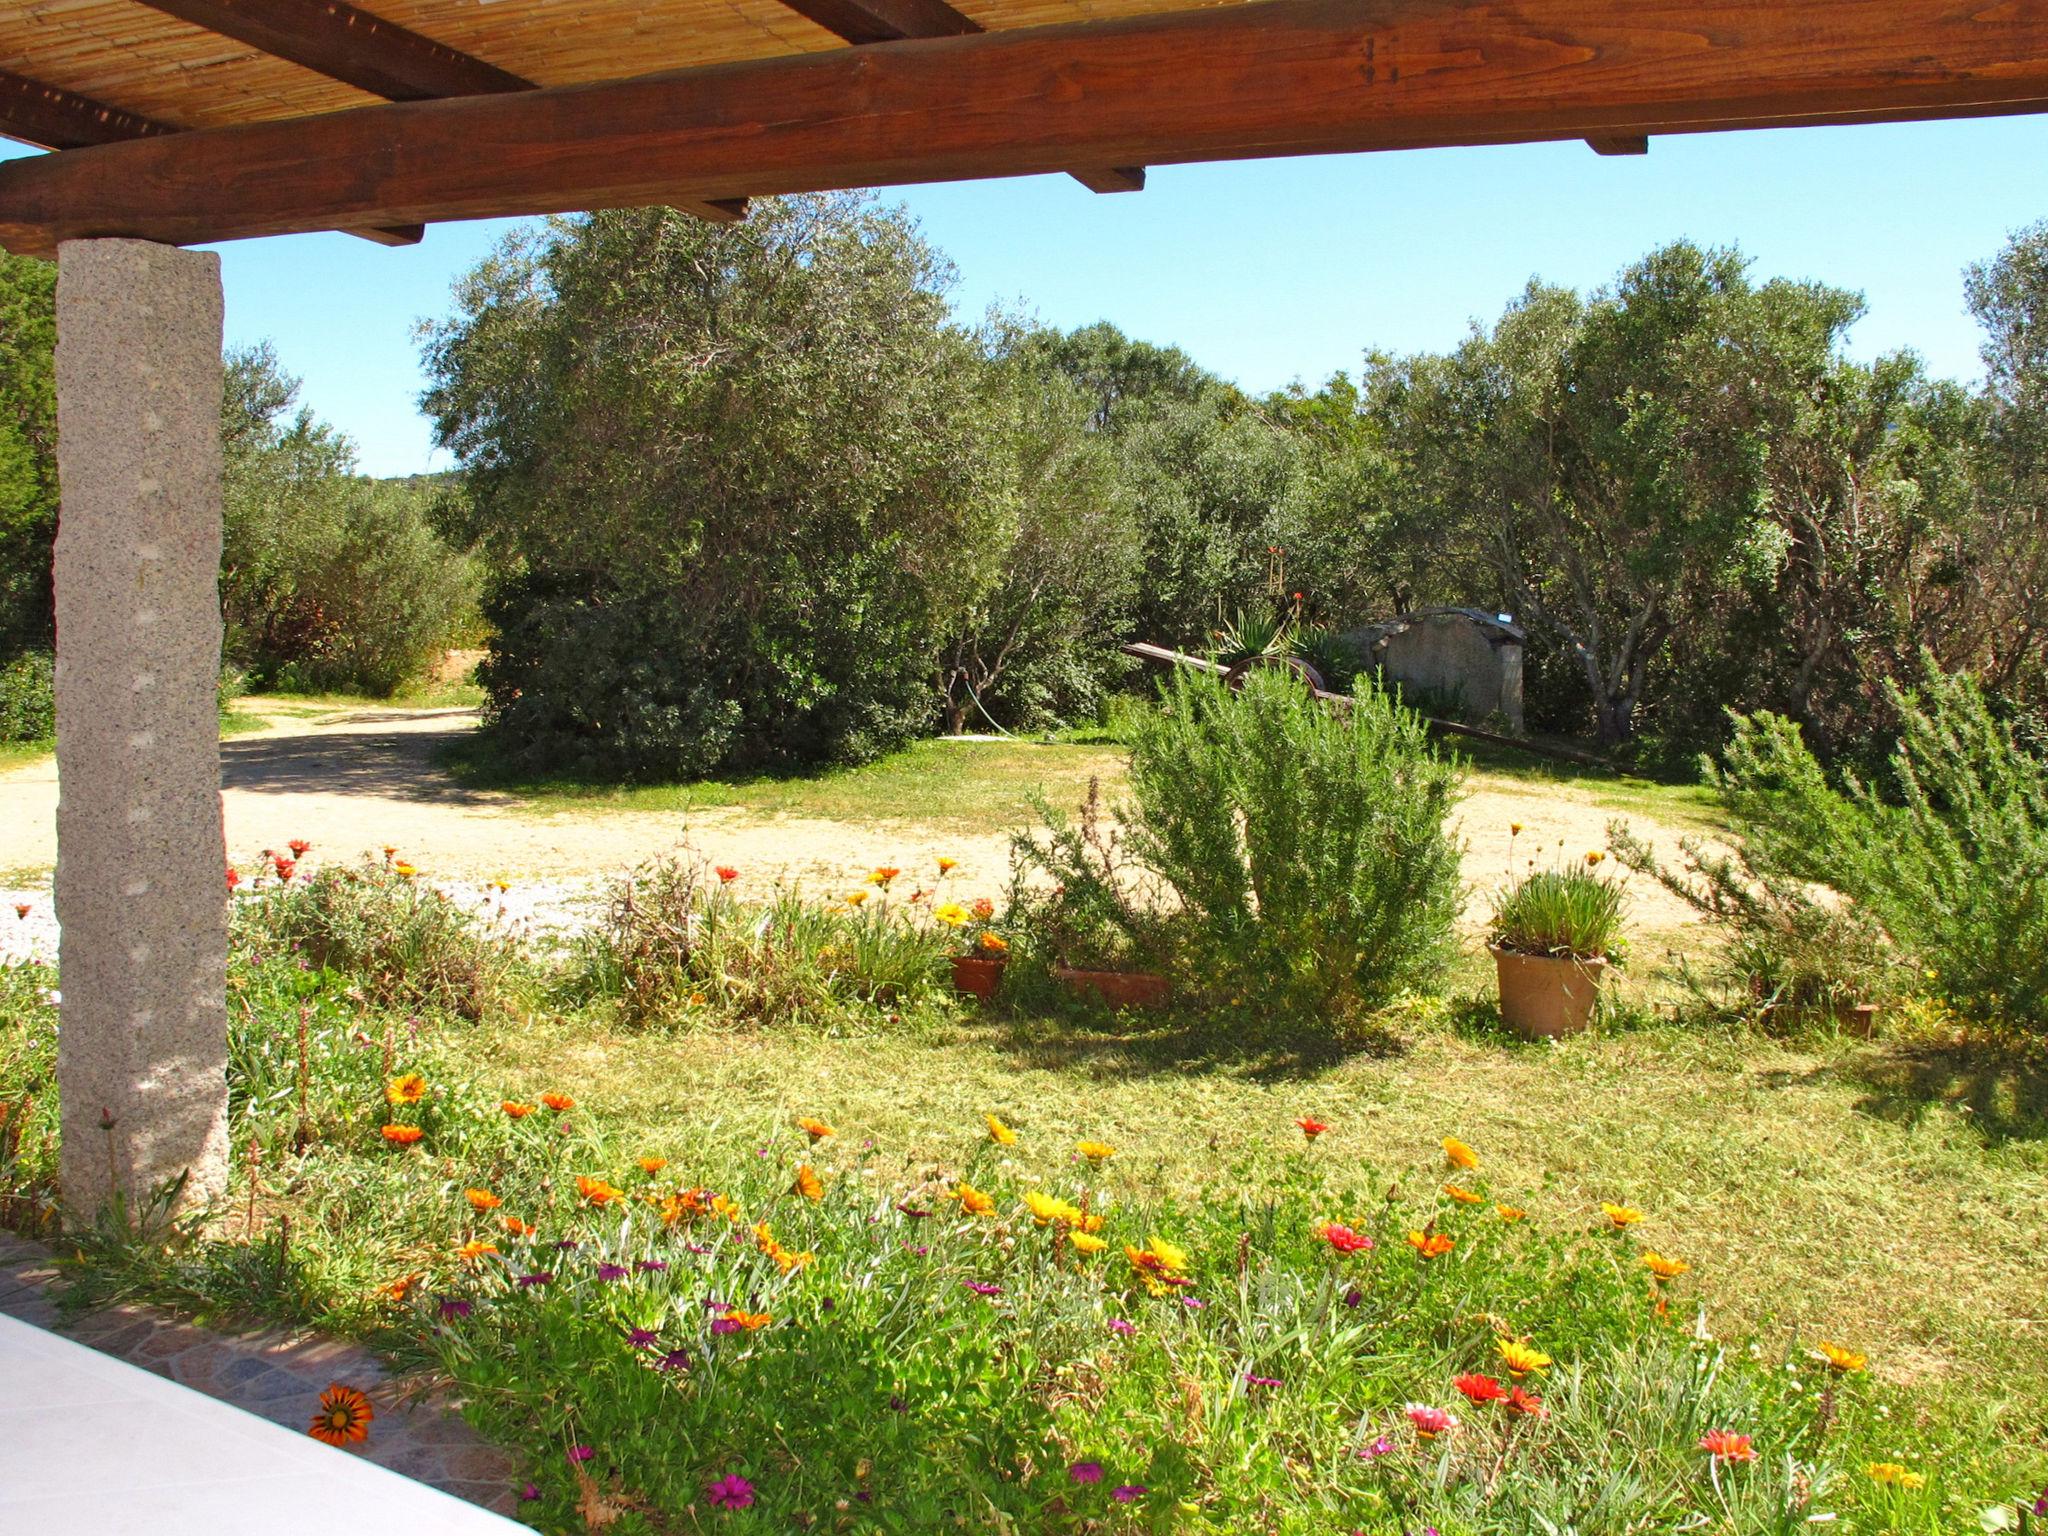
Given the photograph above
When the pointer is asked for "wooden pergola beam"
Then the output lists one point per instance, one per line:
(1285, 77)
(50, 117)
(335, 39)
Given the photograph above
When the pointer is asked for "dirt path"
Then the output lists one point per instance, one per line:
(361, 781)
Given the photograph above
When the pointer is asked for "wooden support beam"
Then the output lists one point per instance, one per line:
(335, 39)
(862, 22)
(1620, 144)
(1283, 77)
(52, 118)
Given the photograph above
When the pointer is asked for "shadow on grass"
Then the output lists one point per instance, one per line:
(1136, 1043)
(2003, 1086)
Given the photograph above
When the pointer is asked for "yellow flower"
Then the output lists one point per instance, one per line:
(409, 1089)
(973, 1201)
(952, 914)
(403, 870)
(1662, 1269)
(726, 1206)
(1510, 1212)
(1514, 829)
(1892, 1472)
(1087, 1242)
(1461, 1156)
(1045, 1209)
(1431, 1245)
(1097, 1152)
(994, 943)
(1464, 1196)
(1594, 856)
(1620, 1215)
(813, 1127)
(883, 876)
(597, 1191)
(473, 1250)
(946, 864)
(1843, 1360)
(855, 898)
(1520, 1358)
(1158, 1256)
(1000, 1133)
(808, 1184)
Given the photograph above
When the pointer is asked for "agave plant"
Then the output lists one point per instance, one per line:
(1249, 635)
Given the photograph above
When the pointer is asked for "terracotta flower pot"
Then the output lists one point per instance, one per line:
(977, 977)
(1120, 989)
(1855, 1019)
(1545, 996)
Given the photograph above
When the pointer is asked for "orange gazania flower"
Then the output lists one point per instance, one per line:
(883, 875)
(1521, 1400)
(402, 1135)
(973, 1201)
(946, 864)
(652, 1165)
(994, 943)
(1000, 1133)
(1662, 1269)
(1460, 1155)
(515, 1109)
(560, 1103)
(1097, 1152)
(1620, 1215)
(748, 1320)
(1521, 1358)
(1510, 1212)
(1464, 1196)
(1726, 1445)
(813, 1127)
(409, 1089)
(726, 874)
(343, 1418)
(808, 1184)
(400, 1288)
(1311, 1127)
(517, 1228)
(299, 847)
(1840, 1359)
(1431, 1245)
(1480, 1389)
(473, 1250)
(596, 1191)
(482, 1199)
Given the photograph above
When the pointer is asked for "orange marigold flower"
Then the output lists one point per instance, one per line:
(560, 1103)
(994, 943)
(596, 1190)
(1840, 1359)
(1620, 1215)
(343, 1417)
(813, 1127)
(1726, 1445)
(402, 1135)
(652, 1165)
(409, 1089)
(808, 1184)
(1510, 1212)
(1464, 1196)
(473, 1250)
(1460, 1155)
(1311, 1127)
(1431, 1245)
(515, 1109)
(1662, 1269)
(973, 1201)
(482, 1199)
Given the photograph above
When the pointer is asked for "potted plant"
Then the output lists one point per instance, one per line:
(1097, 921)
(982, 953)
(1555, 931)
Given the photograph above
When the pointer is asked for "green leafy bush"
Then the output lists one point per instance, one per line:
(676, 948)
(1302, 851)
(28, 698)
(1077, 898)
(404, 943)
(1949, 856)
(1569, 911)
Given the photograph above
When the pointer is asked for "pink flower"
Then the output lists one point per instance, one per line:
(982, 1288)
(1123, 1326)
(1086, 1471)
(1129, 1493)
(730, 1492)
(581, 1453)
(1430, 1422)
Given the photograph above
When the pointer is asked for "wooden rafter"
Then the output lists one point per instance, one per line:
(357, 48)
(1620, 144)
(51, 118)
(1284, 77)
(862, 22)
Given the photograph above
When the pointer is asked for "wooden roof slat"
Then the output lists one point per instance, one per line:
(333, 38)
(53, 118)
(1283, 77)
(862, 22)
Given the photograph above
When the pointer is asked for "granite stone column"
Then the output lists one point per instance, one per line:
(141, 892)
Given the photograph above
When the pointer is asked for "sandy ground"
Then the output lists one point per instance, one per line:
(357, 783)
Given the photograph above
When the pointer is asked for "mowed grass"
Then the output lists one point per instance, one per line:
(1890, 1196)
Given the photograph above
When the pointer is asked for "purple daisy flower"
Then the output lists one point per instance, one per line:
(982, 1288)
(1129, 1493)
(916, 1249)
(1192, 1304)
(650, 1266)
(568, 1245)
(1086, 1471)
(1122, 1325)
(730, 1492)
(1353, 1297)
(1260, 1381)
(675, 1360)
(640, 1338)
(725, 1325)
(581, 1453)
(454, 1308)
(538, 1277)
(611, 1271)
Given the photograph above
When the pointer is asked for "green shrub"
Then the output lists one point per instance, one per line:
(675, 948)
(28, 698)
(1567, 911)
(404, 943)
(1077, 899)
(1949, 857)
(1303, 850)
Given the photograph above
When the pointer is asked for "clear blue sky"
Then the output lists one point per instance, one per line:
(1271, 271)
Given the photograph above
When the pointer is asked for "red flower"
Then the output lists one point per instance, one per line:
(298, 846)
(1726, 1445)
(234, 877)
(726, 874)
(1311, 1127)
(1480, 1389)
(1342, 1238)
(21, 907)
(285, 867)
(1521, 1400)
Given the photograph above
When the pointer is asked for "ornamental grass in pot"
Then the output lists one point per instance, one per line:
(1554, 933)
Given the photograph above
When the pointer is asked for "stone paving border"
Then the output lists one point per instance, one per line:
(276, 1376)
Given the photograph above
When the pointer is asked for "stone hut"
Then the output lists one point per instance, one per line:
(1460, 663)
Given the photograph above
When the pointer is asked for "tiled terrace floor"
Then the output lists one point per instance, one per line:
(155, 1426)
